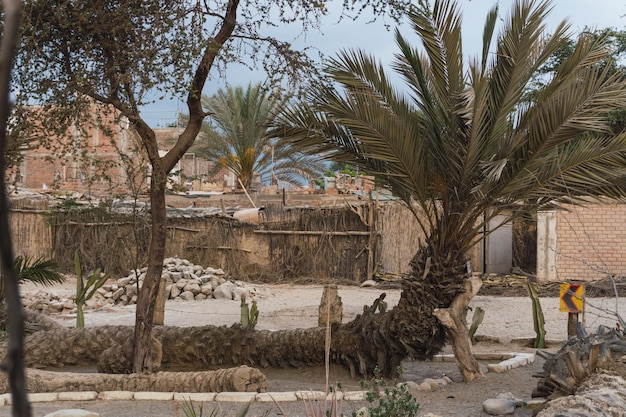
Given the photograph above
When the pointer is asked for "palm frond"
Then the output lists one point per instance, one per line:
(39, 271)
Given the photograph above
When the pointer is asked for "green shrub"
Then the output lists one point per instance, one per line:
(393, 401)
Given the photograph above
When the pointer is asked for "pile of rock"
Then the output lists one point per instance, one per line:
(182, 279)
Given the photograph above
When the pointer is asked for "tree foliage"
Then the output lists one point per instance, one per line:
(236, 136)
(122, 54)
(461, 144)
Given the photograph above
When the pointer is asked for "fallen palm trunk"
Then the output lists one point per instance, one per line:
(374, 339)
(241, 379)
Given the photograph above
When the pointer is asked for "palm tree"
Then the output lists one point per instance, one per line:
(236, 137)
(461, 145)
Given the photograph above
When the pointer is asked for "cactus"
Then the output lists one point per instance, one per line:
(249, 315)
(85, 290)
(538, 319)
(477, 319)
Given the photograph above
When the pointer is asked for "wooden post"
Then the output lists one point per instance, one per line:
(372, 207)
(331, 307)
(572, 322)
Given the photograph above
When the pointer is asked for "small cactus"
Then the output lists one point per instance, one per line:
(249, 315)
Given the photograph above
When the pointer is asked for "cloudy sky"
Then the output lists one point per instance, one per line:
(377, 40)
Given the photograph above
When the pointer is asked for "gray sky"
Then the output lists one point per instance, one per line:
(378, 41)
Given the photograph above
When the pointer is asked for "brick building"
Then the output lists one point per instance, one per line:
(88, 159)
(109, 160)
(581, 243)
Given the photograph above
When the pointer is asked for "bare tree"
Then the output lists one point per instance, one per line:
(119, 54)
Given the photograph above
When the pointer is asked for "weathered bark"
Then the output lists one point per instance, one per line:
(240, 379)
(565, 370)
(454, 318)
(146, 299)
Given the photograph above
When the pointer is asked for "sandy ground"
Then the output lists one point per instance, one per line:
(288, 307)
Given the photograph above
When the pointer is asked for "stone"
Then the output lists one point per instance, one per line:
(72, 413)
(223, 292)
(205, 278)
(368, 283)
(117, 294)
(433, 384)
(78, 396)
(174, 291)
(175, 276)
(192, 287)
(187, 296)
(194, 396)
(412, 386)
(267, 397)
(181, 283)
(206, 289)
(200, 296)
(122, 282)
(354, 396)
(425, 386)
(153, 396)
(116, 395)
(235, 397)
(499, 406)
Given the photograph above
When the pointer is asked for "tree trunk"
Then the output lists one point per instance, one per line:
(240, 379)
(146, 299)
(454, 318)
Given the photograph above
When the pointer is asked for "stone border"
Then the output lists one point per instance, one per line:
(507, 362)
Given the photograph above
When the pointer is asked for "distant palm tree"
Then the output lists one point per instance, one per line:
(461, 145)
(235, 136)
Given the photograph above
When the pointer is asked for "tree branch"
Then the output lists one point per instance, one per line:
(194, 104)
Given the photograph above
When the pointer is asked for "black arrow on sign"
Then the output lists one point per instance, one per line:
(568, 297)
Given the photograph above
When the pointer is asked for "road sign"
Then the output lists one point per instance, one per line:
(571, 296)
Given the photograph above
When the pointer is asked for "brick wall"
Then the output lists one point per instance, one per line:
(85, 161)
(590, 241)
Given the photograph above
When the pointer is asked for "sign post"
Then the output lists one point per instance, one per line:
(571, 301)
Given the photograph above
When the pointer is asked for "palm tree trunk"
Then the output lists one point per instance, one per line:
(373, 339)
(240, 379)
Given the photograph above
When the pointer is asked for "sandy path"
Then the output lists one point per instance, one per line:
(290, 307)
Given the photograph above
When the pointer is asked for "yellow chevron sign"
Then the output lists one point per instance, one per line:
(571, 296)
